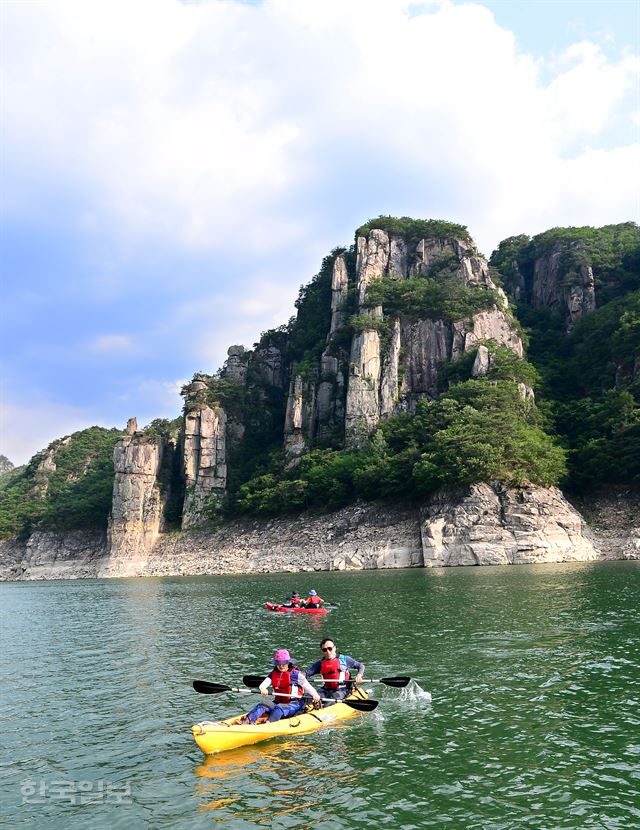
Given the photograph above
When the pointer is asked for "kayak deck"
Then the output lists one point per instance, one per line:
(275, 606)
(218, 736)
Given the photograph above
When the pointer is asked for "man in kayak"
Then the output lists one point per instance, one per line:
(313, 600)
(334, 669)
(289, 684)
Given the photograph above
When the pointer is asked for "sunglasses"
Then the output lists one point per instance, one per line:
(328, 648)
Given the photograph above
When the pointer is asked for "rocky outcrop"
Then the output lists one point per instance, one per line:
(495, 525)
(329, 416)
(388, 375)
(362, 411)
(204, 460)
(339, 291)
(555, 287)
(372, 261)
(137, 505)
(330, 399)
(613, 515)
(485, 524)
(483, 362)
(326, 380)
(427, 344)
(77, 554)
(489, 325)
(236, 364)
(362, 536)
(298, 423)
(269, 367)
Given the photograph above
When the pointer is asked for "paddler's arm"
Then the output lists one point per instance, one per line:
(307, 687)
(359, 667)
(264, 686)
(314, 668)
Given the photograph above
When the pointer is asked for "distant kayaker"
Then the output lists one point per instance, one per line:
(313, 600)
(289, 684)
(334, 669)
(294, 601)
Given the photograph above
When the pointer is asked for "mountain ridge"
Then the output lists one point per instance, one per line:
(403, 374)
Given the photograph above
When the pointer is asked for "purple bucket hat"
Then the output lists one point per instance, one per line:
(282, 656)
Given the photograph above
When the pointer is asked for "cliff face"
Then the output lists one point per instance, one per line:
(381, 381)
(77, 554)
(495, 525)
(386, 375)
(205, 468)
(571, 291)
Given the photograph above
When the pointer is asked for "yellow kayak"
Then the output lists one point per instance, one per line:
(217, 736)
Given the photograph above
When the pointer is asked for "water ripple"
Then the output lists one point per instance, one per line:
(533, 722)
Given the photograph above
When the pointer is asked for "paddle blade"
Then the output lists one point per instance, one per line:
(398, 682)
(206, 688)
(253, 680)
(361, 705)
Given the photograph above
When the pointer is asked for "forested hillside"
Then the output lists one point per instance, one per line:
(67, 486)
(589, 376)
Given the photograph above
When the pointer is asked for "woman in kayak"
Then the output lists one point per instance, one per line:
(293, 601)
(288, 683)
(313, 600)
(334, 669)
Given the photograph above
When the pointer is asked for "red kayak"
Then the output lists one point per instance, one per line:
(275, 606)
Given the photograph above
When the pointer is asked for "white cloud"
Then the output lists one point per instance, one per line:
(213, 123)
(111, 343)
(584, 93)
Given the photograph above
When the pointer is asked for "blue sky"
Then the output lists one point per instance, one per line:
(171, 172)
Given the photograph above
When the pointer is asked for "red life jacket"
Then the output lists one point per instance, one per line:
(285, 683)
(334, 672)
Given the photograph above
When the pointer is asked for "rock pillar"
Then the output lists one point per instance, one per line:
(204, 463)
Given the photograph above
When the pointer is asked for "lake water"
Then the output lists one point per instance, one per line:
(534, 671)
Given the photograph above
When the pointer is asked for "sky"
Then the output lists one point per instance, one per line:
(172, 172)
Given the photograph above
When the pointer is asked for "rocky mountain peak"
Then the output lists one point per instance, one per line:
(561, 281)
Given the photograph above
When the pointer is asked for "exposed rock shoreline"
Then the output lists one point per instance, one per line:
(486, 524)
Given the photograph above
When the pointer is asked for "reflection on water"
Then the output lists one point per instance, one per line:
(533, 723)
(282, 778)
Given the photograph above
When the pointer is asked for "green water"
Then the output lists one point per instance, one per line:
(534, 671)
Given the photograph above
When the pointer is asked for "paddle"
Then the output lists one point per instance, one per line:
(254, 680)
(397, 682)
(206, 688)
